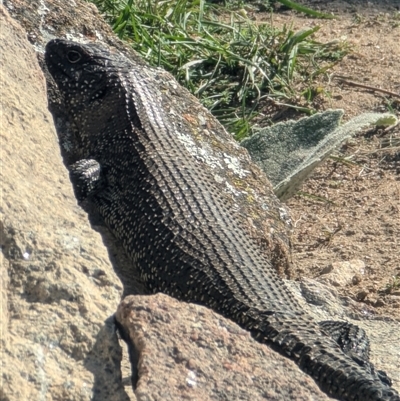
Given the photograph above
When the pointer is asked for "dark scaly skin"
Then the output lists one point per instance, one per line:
(166, 210)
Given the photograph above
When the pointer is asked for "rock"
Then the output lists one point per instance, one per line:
(341, 274)
(56, 339)
(202, 356)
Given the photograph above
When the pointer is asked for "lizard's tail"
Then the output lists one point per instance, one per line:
(298, 336)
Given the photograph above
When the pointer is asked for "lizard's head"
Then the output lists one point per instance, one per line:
(89, 82)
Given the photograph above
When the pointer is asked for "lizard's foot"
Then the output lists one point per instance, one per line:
(86, 178)
(354, 342)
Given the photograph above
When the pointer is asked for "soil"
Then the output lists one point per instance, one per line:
(350, 207)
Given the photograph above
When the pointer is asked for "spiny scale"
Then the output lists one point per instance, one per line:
(166, 210)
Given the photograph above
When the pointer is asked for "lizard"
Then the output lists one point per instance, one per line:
(174, 226)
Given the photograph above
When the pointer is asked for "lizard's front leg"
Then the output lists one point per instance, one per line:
(87, 178)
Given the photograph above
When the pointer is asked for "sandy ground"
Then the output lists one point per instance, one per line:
(351, 206)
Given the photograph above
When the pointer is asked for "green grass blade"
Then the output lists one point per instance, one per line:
(229, 62)
(305, 10)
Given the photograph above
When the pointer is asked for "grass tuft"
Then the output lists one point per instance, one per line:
(228, 61)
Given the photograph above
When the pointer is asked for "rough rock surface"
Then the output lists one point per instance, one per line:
(207, 357)
(344, 273)
(58, 286)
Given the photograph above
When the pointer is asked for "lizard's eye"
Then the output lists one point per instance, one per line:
(73, 56)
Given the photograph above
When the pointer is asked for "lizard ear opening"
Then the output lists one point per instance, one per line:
(73, 56)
